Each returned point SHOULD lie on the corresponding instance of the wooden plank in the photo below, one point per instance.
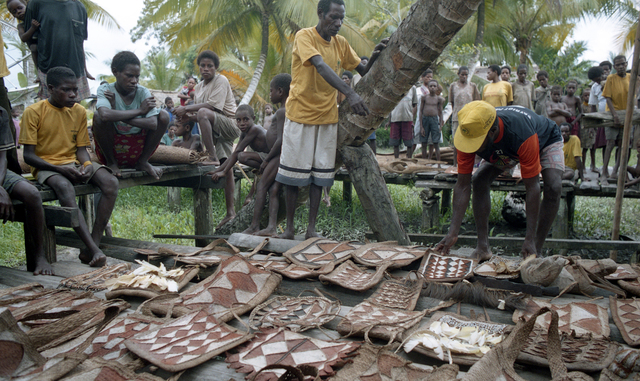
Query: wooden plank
(54, 216)
(203, 214)
(516, 242)
(276, 245)
(605, 119)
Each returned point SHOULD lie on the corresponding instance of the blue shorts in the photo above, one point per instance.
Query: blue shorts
(431, 125)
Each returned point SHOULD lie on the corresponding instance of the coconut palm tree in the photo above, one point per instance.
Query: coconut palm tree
(161, 71)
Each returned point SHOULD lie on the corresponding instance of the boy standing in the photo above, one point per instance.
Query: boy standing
(168, 104)
(572, 154)
(461, 93)
(55, 139)
(588, 135)
(615, 91)
(574, 104)
(543, 93)
(523, 89)
(432, 121)
(423, 91)
(127, 126)
(278, 92)
(268, 116)
(556, 109)
(497, 93)
(401, 120)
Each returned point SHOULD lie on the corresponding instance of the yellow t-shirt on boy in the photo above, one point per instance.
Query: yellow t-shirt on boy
(617, 88)
(312, 100)
(571, 149)
(56, 132)
(498, 94)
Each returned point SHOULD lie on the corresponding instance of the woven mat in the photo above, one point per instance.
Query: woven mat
(315, 253)
(623, 272)
(154, 291)
(294, 271)
(97, 369)
(297, 314)
(626, 315)
(584, 318)
(18, 354)
(94, 280)
(370, 320)
(280, 346)
(352, 277)
(236, 284)
(398, 293)
(186, 342)
(438, 268)
(631, 286)
(499, 267)
(387, 253)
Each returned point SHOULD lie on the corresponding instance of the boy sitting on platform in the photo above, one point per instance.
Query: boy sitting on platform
(253, 136)
(127, 126)
(55, 139)
(279, 92)
(189, 141)
(572, 154)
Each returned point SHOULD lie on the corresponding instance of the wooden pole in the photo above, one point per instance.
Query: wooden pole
(624, 155)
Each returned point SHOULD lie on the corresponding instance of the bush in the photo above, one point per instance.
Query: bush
(382, 137)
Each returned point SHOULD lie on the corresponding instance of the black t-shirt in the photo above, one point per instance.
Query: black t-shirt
(61, 35)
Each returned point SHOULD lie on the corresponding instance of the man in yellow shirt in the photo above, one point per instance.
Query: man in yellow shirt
(55, 139)
(572, 154)
(615, 91)
(310, 133)
(498, 93)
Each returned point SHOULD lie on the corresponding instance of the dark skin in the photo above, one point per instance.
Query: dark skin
(543, 81)
(62, 96)
(269, 169)
(188, 141)
(557, 110)
(540, 216)
(329, 24)
(592, 152)
(18, 9)
(621, 70)
(634, 171)
(568, 172)
(104, 129)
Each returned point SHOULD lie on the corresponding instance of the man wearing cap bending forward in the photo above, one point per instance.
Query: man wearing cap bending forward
(502, 137)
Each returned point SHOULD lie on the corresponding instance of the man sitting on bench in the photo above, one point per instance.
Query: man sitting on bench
(14, 186)
(55, 138)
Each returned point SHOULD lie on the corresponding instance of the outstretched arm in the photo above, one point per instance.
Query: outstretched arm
(231, 160)
(461, 197)
(357, 104)
(361, 69)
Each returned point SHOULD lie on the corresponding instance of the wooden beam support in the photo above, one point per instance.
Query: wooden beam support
(202, 214)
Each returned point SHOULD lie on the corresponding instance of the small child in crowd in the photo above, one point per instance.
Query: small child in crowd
(251, 135)
(505, 73)
(572, 154)
(278, 92)
(556, 109)
(18, 8)
(169, 106)
(55, 139)
(170, 136)
(574, 104)
(187, 139)
(543, 93)
(523, 89)
(588, 135)
(347, 76)
(187, 92)
(431, 109)
(268, 116)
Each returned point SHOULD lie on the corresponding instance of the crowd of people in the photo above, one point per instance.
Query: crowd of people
(506, 124)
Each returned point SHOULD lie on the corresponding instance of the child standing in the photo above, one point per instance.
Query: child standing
(168, 105)
(188, 140)
(55, 139)
(497, 93)
(574, 104)
(505, 73)
(556, 109)
(543, 93)
(401, 123)
(18, 8)
(523, 89)
(461, 93)
(268, 116)
(279, 92)
(431, 110)
(588, 135)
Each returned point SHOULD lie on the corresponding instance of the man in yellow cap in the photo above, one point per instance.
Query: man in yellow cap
(503, 137)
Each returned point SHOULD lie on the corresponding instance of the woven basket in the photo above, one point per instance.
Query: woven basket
(18, 353)
(626, 315)
(499, 268)
(316, 253)
(175, 155)
(398, 293)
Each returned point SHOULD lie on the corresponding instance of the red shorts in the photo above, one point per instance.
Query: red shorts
(128, 149)
(400, 131)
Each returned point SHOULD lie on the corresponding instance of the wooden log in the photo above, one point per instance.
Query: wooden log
(373, 193)
(605, 119)
(202, 214)
(87, 208)
(54, 216)
(276, 245)
(430, 212)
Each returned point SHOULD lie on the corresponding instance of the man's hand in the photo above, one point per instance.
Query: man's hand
(444, 246)
(422, 133)
(616, 119)
(263, 166)
(382, 45)
(111, 97)
(180, 111)
(147, 104)
(6, 208)
(216, 174)
(357, 104)
(71, 173)
(35, 23)
(528, 248)
(86, 173)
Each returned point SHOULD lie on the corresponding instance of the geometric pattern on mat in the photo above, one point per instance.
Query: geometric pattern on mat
(109, 344)
(378, 254)
(235, 284)
(379, 322)
(624, 271)
(586, 353)
(280, 346)
(626, 315)
(94, 280)
(351, 276)
(582, 317)
(438, 268)
(297, 314)
(401, 294)
(318, 252)
(186, 342)
(270, 264)
(294, 271)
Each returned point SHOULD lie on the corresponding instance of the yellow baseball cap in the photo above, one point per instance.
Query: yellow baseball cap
(474, 121)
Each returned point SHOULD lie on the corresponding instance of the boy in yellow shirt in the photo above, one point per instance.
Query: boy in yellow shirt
(498, 93)
(55, 139)
(572, 154)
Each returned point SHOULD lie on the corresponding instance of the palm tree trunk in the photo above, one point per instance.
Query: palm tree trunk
(423, 34)
(257, 73)
(479, 39)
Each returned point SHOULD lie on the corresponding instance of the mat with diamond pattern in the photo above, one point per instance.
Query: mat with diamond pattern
(297, 314)
(438, 268)
(351, 276)
(318, 252)
(626, 315)
(387, 253)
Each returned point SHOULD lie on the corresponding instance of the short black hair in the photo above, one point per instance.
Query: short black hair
(522, 66)
(428, 71)
(606, 63)
(190, 124)
(555, 88)
(461, 68)
(246, 108)
(347, 73)
(58, 74)
(168, 99)
(282, 81)
(495, 68)
(620, 57)
(506, 67)
(565, 124)
(364, 58)
(210, 55)
(122, 59)
(572, 81)
(325, 5)
(595, 72)
(542, 73)
(433, 80)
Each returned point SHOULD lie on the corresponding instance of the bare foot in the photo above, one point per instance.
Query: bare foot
(247, 201)
(115, 170)
(98, 259)
(228, 218)
(481, 255)
(154, 172)
(287, 235)
(312, 234)
(604, 181)
(327, 201)
(42, 267)
(250, 230)
(267, 232)
(595, 170)
(209, 160)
